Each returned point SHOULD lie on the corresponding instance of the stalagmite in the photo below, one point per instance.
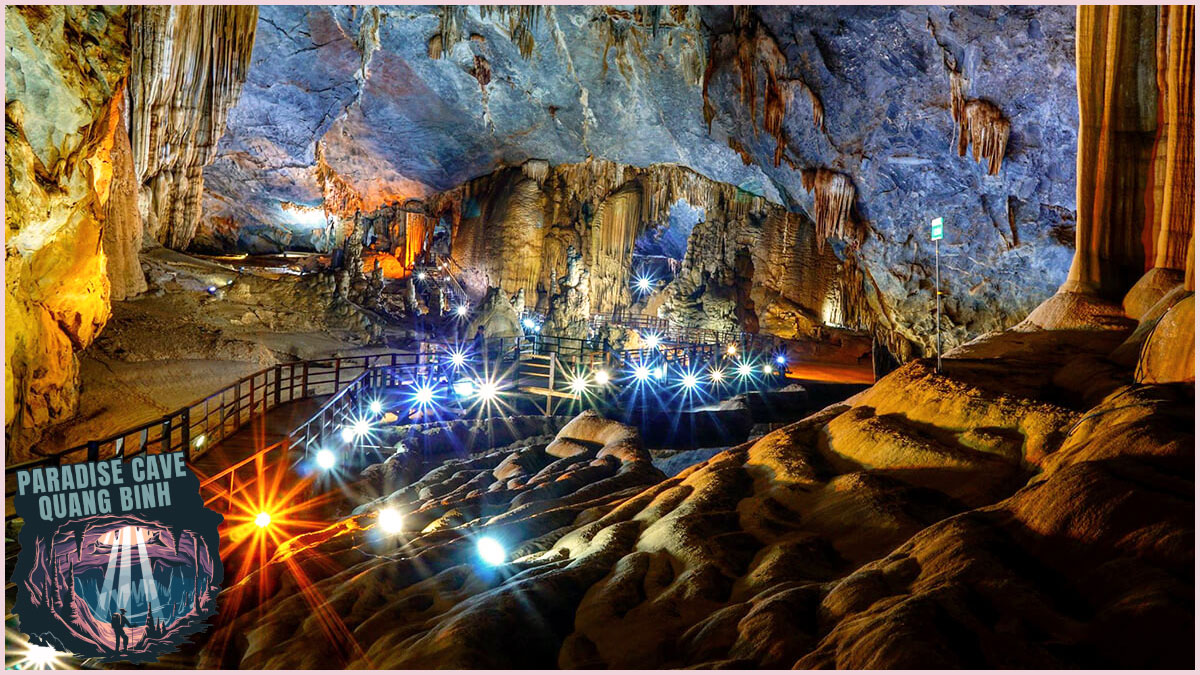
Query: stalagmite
(122, 228)
(833, 202)
(189, 63)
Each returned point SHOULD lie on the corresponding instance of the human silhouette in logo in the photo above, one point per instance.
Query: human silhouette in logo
(119, 622)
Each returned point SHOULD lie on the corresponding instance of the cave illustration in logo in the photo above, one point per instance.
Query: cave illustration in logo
(159, 571)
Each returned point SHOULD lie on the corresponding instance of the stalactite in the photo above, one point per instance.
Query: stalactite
(958, 98)
(341, 199)
(985, 128)
(450, 21)
(978, 123)
(522, 21)
(189, 63)
(755, 53)
(536, 169)
(833, 203)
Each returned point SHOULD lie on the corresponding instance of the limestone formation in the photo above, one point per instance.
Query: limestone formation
(61, 124)
(122, 229)
(1116, 135)
(569, 315)
(833, 204)
(375, 109)
(497, 315)
(187, 72)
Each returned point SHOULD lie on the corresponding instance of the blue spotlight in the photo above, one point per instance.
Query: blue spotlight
(641, 373)
(458, 358)
(652, 340)
(491, 551)
(781, 359)
(689, 381)
(464, 388)
(745, 370)
(529, 324)
(376, 407)
(644, 284)
(423, 395)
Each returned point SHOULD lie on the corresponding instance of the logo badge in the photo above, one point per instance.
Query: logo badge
(119, 559)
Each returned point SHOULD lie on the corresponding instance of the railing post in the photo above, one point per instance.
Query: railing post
(93, 451)
(278, 384)
(304, 381)
(185, 433)
(166, 434)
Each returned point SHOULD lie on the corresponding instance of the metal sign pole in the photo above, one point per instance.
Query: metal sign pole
(937, 266)
(935, 233)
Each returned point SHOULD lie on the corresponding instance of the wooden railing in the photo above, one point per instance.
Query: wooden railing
(198, 426)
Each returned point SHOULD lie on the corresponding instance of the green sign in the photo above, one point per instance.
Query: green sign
(935, 229)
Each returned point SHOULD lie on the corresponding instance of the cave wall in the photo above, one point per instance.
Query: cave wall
(894, 113)
(111, 113)
(64, 77)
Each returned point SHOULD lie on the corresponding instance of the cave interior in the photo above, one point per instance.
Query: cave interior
(626, 330)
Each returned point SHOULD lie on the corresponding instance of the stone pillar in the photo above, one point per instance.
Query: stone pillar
(1175, 215)
(1171, 193)
(1115, 60)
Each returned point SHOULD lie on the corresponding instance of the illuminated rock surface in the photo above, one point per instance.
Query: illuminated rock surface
(952, 520)
(348, 108)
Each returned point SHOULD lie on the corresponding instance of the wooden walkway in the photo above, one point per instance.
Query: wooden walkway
(260, 432)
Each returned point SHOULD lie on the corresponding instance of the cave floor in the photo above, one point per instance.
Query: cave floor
(159, 353)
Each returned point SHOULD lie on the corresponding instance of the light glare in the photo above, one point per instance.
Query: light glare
(579, 384)
(464, 388)
(390, 520)
(488, 390)
(424, 395)
(361, 428)
(263, 519)
(326, 459)
(491, 551)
